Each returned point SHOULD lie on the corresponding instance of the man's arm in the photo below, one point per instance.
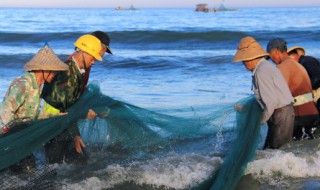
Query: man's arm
(13, 100)
(267, 93)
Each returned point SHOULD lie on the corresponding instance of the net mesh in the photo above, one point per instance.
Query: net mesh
(123, 125)
(243, 150)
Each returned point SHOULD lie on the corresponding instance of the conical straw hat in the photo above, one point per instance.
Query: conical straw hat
(300, 50)
(249, 49)
(45, 60)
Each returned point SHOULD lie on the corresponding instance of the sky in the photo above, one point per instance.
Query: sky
(156, 3)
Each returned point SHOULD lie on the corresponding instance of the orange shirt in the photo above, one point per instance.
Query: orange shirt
(299, 83)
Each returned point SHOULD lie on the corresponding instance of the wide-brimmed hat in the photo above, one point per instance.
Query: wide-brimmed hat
(300, 50)
(45, 60)
(249, 49)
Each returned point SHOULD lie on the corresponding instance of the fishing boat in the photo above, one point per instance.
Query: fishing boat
(202, 7)
(223, 8)
(118, 8)
(131, 8)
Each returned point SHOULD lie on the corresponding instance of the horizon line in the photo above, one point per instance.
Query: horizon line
(108, 7)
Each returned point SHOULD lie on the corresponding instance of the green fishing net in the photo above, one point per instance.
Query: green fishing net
(126, 126)
(243, 149)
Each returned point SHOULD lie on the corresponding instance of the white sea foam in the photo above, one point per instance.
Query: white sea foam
(276, 166)
(92, 183)
(178, 172)
(173, 171)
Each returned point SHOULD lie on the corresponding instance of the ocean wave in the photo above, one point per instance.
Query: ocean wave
(204, 39)
(285, 164)
(154, 60)
(172, 171)
(16, 61)
(278, 167)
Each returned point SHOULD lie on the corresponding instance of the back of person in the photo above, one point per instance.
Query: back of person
(306, 113)
(23, 106)
(312, 65)
(271, 92)
(299, 84)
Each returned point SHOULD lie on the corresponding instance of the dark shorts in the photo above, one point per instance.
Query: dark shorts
(280, 129)
(305, 123)
(61, 149)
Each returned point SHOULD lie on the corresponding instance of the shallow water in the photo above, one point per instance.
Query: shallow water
(176, 62)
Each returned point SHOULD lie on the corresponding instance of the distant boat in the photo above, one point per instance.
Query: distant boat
(202, 7)
(118, 8)
(131, 8)
(223, 8)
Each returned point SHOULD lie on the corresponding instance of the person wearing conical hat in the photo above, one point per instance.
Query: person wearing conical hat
(312, 66)
(271, 92)
(22, 99)
(63, 92)
(296, 76)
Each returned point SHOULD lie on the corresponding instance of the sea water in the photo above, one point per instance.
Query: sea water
(173, 61)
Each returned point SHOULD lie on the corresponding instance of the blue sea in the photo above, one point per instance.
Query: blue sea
(176, 62)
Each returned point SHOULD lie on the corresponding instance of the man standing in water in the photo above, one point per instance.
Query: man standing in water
(312, 66)
(270, 90)
(306, 113)
(22, 100)
(64, 91)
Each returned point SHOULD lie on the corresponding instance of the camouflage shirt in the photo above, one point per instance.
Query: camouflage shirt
(65, 89)
(21, 101)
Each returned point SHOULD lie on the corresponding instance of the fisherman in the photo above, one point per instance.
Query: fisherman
(22, 100)
(306, 113)
(312, 66)
(105, 41)
(63, 92)
(270, 90)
